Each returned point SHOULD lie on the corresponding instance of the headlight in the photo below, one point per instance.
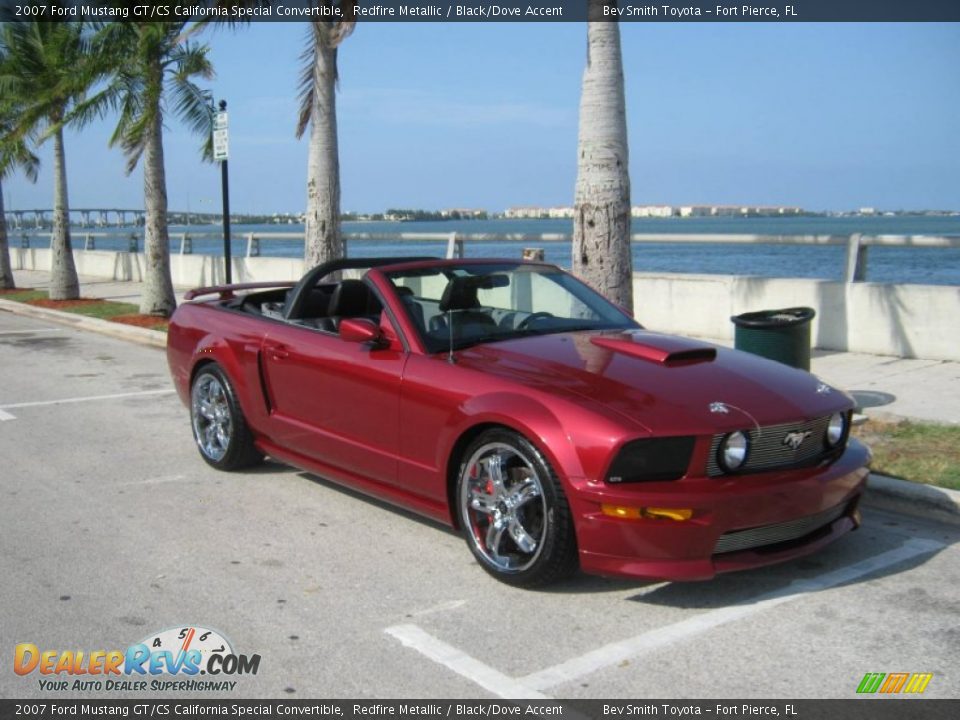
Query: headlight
(836, 429)
(732, 453)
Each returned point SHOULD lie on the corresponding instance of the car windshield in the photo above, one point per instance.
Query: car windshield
(481, 303)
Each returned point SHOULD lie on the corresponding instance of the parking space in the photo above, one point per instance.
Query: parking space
(112, 529)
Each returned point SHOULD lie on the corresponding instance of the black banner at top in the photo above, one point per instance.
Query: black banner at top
(488, 10)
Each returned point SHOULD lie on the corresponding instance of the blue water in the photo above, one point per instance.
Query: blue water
(931, 266)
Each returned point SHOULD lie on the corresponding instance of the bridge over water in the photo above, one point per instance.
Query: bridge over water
(92, 217)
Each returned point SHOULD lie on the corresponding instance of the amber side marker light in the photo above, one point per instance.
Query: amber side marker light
(648, 513)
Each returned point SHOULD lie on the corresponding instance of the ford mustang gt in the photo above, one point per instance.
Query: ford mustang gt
(511, 401)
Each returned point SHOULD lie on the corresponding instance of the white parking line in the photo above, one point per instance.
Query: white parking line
(89, 398)
(614, 653)
(462, 664)
(158, 480)
(4, 416)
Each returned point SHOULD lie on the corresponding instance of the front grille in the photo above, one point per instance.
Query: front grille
(781, 532)
(768, 450)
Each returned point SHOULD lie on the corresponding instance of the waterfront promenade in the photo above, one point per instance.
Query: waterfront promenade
(884, 386)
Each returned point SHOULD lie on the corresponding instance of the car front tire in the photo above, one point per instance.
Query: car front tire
(219, 427)
(513, 511)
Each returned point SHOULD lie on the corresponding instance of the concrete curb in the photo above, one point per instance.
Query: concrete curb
(131, 333)
(887, 416)
(913, 498)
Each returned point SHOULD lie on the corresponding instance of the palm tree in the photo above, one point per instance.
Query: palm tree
(15, 154)
(152, 66)
(46, 72)
(318, 109)
(601, 218)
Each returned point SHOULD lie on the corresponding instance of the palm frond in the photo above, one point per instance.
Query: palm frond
(194, 106)
(321, 35)
(15, 152)
(217, 22)
(48, 68)
(190, 60)
(307, 83)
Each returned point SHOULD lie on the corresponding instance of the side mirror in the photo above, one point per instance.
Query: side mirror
(360, 330)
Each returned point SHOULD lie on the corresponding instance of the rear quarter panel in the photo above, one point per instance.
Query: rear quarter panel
(203, 332)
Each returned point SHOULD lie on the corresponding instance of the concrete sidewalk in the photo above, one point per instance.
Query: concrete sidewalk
(883, 386)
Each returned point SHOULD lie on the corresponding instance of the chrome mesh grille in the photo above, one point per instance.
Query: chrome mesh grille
(781, 532)
(768, 450)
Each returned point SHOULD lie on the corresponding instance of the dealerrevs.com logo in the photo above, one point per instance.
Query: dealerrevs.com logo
(170, 660)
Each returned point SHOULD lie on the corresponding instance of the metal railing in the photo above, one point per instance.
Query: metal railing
(855, 265)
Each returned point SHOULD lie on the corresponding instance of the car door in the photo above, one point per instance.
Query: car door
(334, 400)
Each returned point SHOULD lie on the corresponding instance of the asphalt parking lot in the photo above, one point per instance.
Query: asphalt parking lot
(112, 529)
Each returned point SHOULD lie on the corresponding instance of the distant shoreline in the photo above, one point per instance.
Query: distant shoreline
(924, 266)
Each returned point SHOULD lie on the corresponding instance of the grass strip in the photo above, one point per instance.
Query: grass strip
(926, 453)
(127, 313)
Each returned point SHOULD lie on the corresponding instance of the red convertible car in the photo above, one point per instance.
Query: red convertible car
(510, 400)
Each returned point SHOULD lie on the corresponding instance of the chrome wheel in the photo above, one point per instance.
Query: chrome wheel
(212, 417)
(503, 508)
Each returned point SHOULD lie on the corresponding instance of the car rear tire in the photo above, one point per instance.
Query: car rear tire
(513, 511)
(219, 427)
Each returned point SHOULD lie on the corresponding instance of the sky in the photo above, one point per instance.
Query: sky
(484, 115)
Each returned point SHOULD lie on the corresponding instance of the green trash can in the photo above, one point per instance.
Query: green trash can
(781, 335)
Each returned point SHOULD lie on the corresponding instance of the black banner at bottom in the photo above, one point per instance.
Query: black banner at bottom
(854, 709)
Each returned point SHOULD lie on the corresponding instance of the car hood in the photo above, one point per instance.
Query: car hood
(668, 384)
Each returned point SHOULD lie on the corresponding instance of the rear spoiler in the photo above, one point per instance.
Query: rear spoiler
(227, 292)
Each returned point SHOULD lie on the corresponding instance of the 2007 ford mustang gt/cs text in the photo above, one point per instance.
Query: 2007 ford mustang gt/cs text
(510, 400)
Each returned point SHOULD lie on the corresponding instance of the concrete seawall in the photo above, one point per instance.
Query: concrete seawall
(911, 321)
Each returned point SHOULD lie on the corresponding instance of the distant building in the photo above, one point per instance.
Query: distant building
(560, 212)
(736, 210)
(695, 211)
(767, 211)
(646, 211)
(463, 213)
(526, 212)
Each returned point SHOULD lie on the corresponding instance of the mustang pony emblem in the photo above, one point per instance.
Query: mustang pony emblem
(795, 439)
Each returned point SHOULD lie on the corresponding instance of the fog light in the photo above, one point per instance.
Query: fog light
(619, 511)
(836, 429)
(669, 513)
(732, 453)
(650, 513)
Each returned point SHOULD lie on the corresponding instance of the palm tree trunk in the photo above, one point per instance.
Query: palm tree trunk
(64, 284)
(158, 297)
(6, 271)
(601, 220)
(323, 239)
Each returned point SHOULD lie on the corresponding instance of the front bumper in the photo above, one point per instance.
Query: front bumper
(765, 518)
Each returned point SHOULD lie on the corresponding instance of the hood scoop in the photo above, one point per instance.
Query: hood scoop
(667, 350)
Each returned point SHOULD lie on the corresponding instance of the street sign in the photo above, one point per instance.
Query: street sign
(220, 144)
(220, 121)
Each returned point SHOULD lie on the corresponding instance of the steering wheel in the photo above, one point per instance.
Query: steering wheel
(526, 322)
